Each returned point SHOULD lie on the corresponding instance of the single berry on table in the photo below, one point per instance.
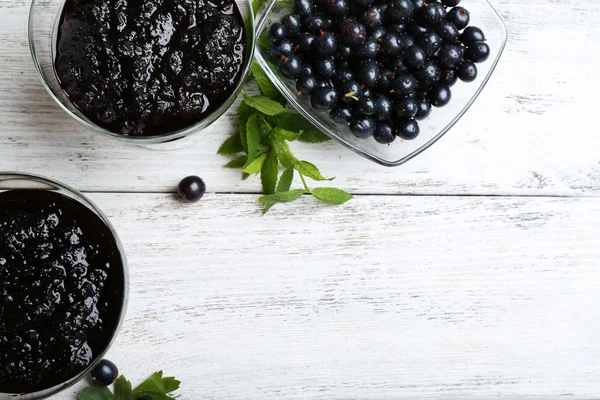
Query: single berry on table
(430, 42)
(325, 44)
(399, 11)
(470, 35)
(290, 66)
(414, 57)
(467, 72)
(191, 189)
(367, 50)
(323, 99)
(384, 133)
(407, 129)
(439, 96)
(292, 23)
(362, 127)
(383, 108)
(448, 77)
(429, 74)
(403, 85)
(303, 7)
(450, 56)
(405, 108)
(285, 47)
(450, 3)
(314, 23)
(459, 17)
(447, 32)
(353, 33)
(104, 373)
(369, 74)
(423, 109)
(478, 52)
(324, 68)
(306, 84)
(341, 114)
(365, 106)
(277, 32)
(337, 9)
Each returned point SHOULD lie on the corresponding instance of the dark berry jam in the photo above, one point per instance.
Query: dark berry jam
(61, 289)
(149, 67)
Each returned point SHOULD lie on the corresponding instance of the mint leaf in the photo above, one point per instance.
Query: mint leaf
(96, 393)
(243, 114)
(232, 145)
(123, 389)
(331, 195)
(269, 172)
(283, 197)
(285, 134)
(157, 387)
(255, 165)
(286, 158)
(256, 6)
(297, 123)
(263, 41)
(253, 135)
(285, 182)
(264, 105)
(237, 162)
(264, 83)
(310, 170)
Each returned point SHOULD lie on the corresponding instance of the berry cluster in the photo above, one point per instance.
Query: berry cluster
(377, 65)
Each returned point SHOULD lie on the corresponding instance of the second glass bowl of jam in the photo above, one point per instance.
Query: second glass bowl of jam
(143, 72)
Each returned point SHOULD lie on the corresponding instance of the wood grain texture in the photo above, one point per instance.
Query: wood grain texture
(387, 297)
(532, 130)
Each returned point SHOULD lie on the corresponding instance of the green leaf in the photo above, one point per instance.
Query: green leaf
(264, 41)
(236, 162)
(266, 86)
(269, 172)
(285, 134)
(297, 123)
(96, 393)
(255, 165)
(286, 158)
(253, 135)
(264, 105)
(256, 6)
(232, 145)
(285, 182)
(157, 387)
(123, 389)
(310, 170)
(331, 195)
(282, 197)
(244, 113)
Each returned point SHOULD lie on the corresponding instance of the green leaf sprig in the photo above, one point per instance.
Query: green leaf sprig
(156, 386)
(265, 129)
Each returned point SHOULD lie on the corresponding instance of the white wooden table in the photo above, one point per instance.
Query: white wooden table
(470, 272)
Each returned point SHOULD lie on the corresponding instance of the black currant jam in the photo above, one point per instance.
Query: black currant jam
(149, 67)
(61, 289)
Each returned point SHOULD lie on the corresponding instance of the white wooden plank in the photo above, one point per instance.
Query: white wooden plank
(384, 298)
(531, 132)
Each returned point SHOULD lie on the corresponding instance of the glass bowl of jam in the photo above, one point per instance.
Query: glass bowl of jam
(63, 286)
(147, 72)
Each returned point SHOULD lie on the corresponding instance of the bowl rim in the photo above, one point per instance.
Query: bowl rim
(78, 197)
(250, 29)
(304, 112)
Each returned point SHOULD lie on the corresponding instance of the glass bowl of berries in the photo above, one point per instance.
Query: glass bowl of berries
(385, 78)
(63, 286)
(147, 73)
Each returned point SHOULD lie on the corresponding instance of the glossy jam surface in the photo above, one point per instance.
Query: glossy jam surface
(61, 289)
(149, 67)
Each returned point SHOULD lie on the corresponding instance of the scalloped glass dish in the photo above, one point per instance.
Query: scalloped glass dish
(434, 127)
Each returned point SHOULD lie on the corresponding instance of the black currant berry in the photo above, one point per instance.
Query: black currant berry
(303, 7)
(414, 57)
(478, 52)
(447, 32)
(353, 33)
(106, 372)
(407, 129)
(459, 17)
(448, 77)
(341, 114)
(292, 23)
(467, 72)
(324, 68)
(191, 189)
(290, 66)
(450, 56)
(470, 35)
(384, 133)
(423, 109)
(362, 127)
(405, 108)
(383, 108)
(277, 32)
(325, 44)
(440, 95)
(323, 99)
